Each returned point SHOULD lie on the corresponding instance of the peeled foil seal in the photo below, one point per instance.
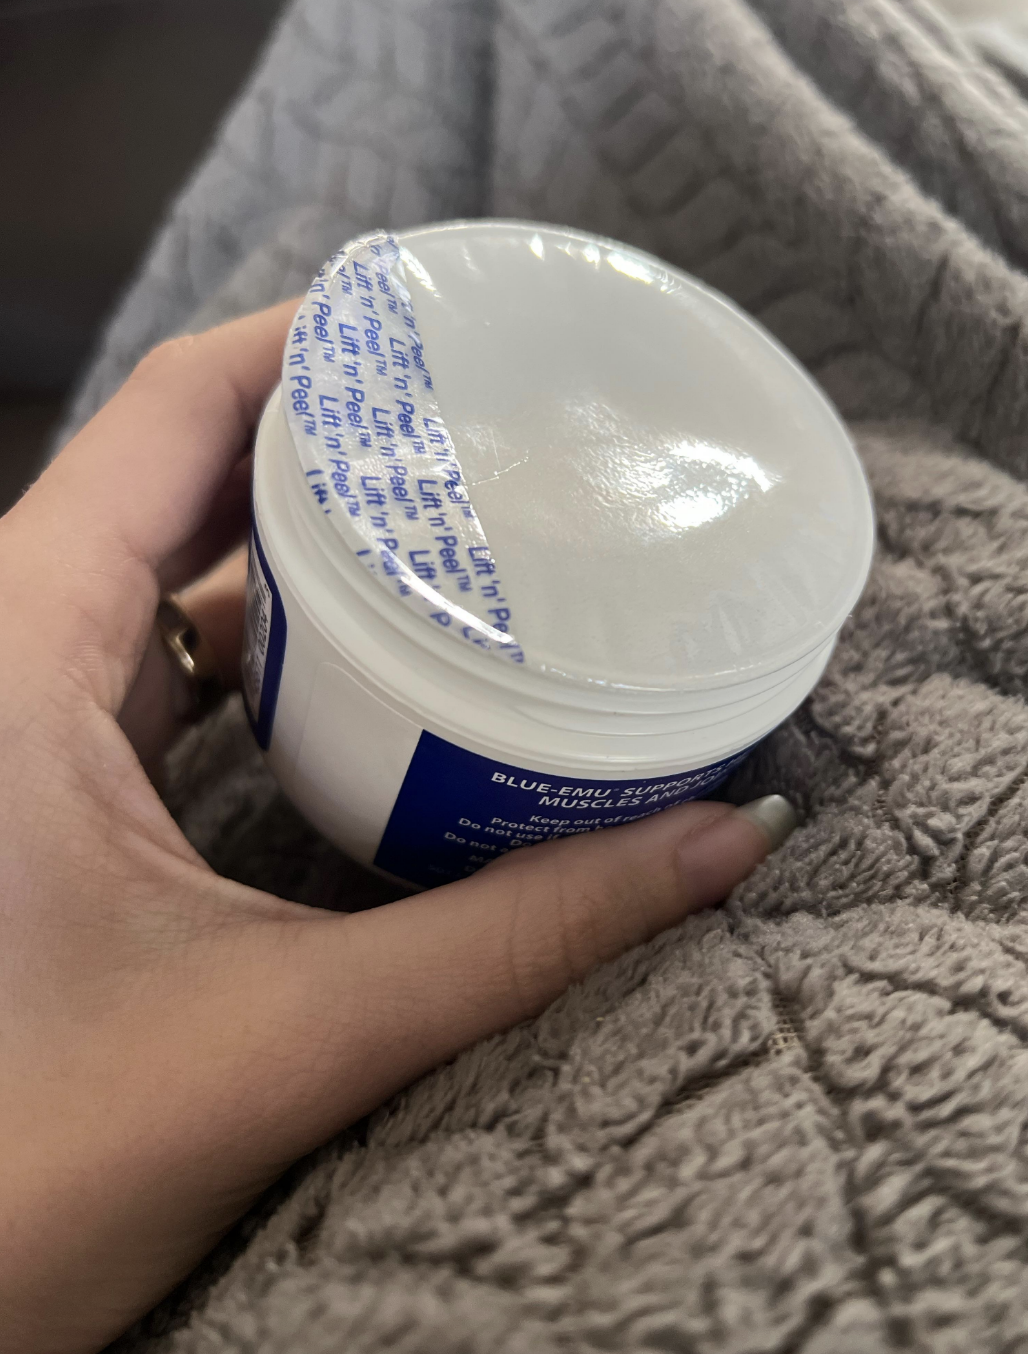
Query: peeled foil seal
(379, 460)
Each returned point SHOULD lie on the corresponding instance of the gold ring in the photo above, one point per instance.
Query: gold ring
(193, 657)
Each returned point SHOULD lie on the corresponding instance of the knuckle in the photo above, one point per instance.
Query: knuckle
(533, 969)
(576, 903)
(610, 899)
(588, 909)
(167, 357)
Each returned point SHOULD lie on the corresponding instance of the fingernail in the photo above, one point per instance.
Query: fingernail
(774, 815)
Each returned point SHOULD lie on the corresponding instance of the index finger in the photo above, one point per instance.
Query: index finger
(137, 483)
(147, 465)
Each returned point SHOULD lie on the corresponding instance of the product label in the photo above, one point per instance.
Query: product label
(264, 643)
(361, 405)
(456, 810)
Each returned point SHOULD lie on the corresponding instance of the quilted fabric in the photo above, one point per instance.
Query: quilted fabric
(796, 1125)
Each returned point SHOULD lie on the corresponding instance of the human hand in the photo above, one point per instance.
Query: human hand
(169, 1040)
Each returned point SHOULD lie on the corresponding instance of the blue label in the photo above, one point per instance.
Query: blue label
(264, 643)
(456, 811)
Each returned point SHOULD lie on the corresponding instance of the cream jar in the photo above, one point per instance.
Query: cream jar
(546, 536)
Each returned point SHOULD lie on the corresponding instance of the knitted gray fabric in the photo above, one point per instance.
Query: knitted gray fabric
(796, 1125)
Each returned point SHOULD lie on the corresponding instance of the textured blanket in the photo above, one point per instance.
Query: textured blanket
(796, 1125)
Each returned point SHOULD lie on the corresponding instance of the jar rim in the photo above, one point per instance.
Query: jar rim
(511, 682)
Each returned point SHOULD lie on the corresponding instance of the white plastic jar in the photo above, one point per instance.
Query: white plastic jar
(546, 536)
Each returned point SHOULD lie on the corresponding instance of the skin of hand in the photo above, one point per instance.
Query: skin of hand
(170, 1041)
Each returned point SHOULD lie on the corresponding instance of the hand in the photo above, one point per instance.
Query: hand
(169, 1040)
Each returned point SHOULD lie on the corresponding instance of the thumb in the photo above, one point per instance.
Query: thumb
(416, 981)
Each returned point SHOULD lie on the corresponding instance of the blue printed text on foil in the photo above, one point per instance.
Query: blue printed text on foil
(378, 457)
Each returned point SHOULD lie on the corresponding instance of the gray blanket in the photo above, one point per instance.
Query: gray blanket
(796, 1125)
